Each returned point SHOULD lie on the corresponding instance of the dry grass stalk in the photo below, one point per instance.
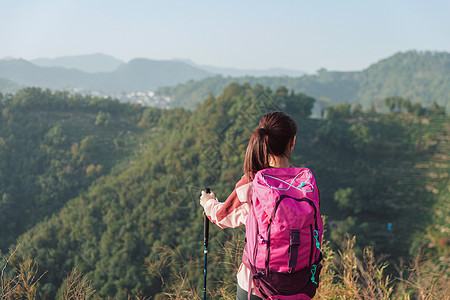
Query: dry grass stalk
(327, 288)
(8, 285)
(228, 260)
(376, 284)
(349, 274)
(426, 280)
(22, 283)
(181, 284)
(183, 289)
(27, 279)
(346, 277)
(172, 259)
(139, 296)
(163, 261)
(77, 286)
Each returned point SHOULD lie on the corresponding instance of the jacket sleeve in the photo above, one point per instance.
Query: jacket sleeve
(233, 212)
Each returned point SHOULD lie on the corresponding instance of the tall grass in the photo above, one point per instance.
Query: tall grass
(344, 276)
(77, 286)
(424, 280)
(22, 281)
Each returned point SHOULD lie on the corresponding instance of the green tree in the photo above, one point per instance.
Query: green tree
(340, 111)
(394, 104)
(324, 102)
(417, 110)
(103, 118)
(436, 110)
(361, 137)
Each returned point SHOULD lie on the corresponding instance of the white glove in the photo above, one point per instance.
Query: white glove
(205, 197)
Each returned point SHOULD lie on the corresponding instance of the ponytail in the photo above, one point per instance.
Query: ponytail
(272, 137)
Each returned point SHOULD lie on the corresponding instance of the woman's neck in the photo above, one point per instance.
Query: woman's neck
(279, 161)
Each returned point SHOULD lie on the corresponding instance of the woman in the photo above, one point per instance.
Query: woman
(269, 147)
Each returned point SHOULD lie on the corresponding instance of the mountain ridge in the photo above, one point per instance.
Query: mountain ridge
(126, 78)
(237, 72)
(100, 62)
(420, 76)
(90, 63)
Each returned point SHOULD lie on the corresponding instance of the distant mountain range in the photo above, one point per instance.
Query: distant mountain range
(420, 76)
(136, 75)
(108, 74)
(98, 63)
(90, 63)
(233, 72)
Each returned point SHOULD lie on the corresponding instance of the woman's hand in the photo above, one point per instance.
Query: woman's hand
(205, 197)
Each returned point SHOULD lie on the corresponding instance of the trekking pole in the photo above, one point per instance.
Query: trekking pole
(205, 244)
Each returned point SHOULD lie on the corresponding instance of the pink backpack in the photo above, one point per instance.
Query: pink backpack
(284, 234)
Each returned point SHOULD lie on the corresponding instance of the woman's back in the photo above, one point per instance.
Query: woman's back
(280, 207)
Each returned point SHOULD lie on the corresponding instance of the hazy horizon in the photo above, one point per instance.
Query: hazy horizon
(199, 65)
(244, 35)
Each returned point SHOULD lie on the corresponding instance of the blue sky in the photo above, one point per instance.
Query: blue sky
(303, 35)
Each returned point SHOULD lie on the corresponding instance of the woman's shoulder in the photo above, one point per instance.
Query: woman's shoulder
(243, 181)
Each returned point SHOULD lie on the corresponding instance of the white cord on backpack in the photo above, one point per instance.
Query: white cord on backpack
(291, 184)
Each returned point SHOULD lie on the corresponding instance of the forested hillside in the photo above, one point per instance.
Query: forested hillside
(383, 178)
(52, 147)
(422, 77)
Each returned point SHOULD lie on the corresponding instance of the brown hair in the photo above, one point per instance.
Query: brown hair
(272, 137)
